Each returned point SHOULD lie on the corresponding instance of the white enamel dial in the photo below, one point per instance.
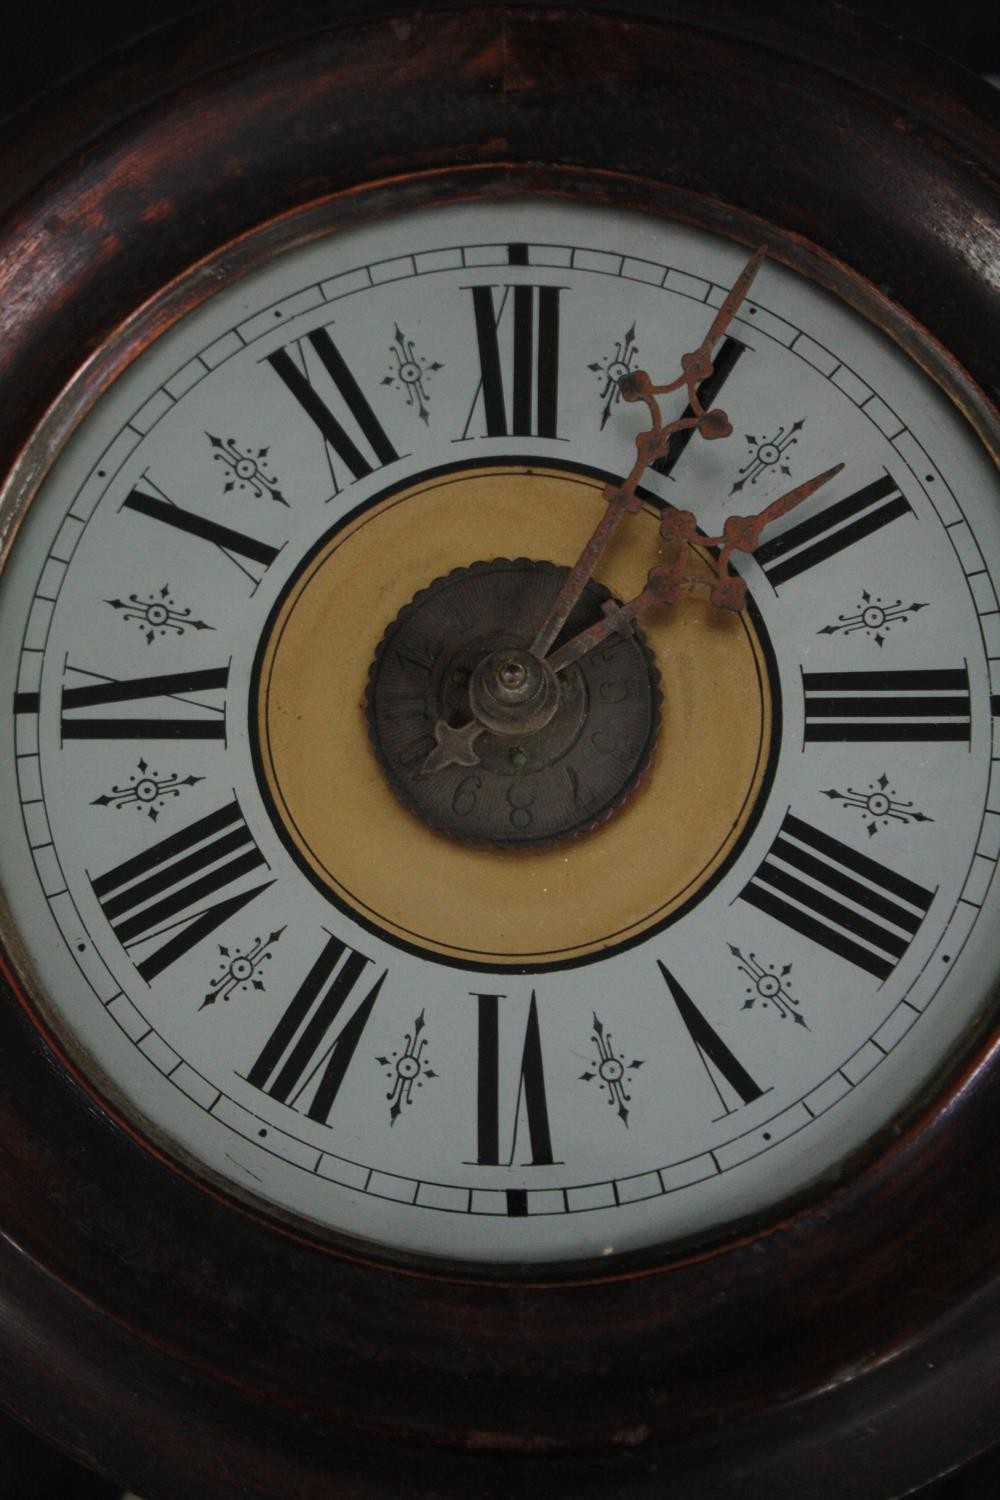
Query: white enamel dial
(302, 991)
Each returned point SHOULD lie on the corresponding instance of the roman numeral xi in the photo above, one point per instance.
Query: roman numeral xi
(321, 381)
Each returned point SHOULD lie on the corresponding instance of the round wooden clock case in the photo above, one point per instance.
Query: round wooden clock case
(188, 1343)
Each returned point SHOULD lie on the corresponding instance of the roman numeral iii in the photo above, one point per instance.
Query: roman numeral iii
(923, 705)
(169, 887)
(309, 1051)
(848, 903)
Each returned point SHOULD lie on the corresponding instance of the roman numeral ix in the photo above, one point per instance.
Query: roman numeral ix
(311, 1048)
(850, 904)
(166, 888)
(208, 722)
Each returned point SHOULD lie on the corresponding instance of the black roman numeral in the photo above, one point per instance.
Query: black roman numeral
(164, 888)
(725, 363)
(716, 1057)
(921, 705)
(523, 400)
(850, 904)
(245, 551)
(530, 1098)
(307, 1052)
(209, 724)
(835, 527)
(323, 372)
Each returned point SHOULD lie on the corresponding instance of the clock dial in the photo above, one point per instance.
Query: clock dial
(354, 913)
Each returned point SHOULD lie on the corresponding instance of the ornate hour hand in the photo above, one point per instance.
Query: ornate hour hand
(651, 445)
(667, 585)
(739, 534)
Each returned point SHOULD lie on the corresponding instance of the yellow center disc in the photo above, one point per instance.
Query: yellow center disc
(483, 906)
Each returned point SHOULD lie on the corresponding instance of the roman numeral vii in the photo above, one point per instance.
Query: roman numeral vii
(307, 1055)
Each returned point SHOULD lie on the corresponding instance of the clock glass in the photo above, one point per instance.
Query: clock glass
(435, 816)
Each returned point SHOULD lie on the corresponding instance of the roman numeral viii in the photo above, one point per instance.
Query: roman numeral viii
(322, 383)
(204, 720)
(833, 529)
(169, 887)
(848, 903)
(309, 1051)
(517, 337)
(921, 705)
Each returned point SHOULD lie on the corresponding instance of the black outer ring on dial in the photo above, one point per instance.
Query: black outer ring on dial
(189, 1347)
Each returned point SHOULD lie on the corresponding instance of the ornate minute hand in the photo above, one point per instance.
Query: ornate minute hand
(666, 585)
(651, 445)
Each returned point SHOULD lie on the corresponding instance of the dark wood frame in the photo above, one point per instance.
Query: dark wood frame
(190, 1347)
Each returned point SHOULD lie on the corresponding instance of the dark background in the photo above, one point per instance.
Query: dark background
(43, 42)
(46, 42)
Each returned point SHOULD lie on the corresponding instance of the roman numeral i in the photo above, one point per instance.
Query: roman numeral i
(832, 530)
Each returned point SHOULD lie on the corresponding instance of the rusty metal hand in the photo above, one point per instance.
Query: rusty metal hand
(651, 445)
(454, 745)
(667, 585)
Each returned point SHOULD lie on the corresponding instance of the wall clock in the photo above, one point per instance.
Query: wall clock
(499, 698)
